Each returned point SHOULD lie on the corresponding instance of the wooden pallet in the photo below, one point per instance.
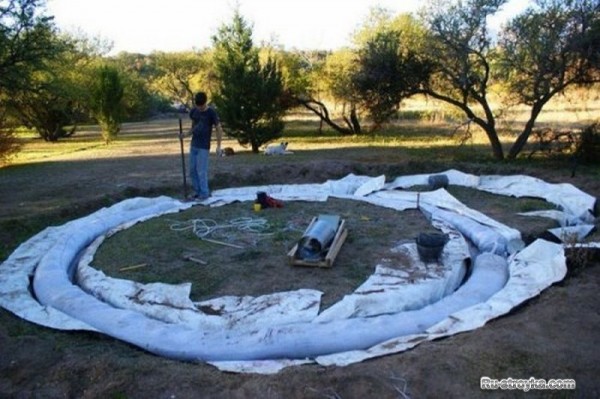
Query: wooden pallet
(334, 249)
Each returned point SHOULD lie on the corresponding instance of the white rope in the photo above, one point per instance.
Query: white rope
(230, 230)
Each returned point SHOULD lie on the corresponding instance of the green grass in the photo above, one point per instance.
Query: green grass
(261, 266)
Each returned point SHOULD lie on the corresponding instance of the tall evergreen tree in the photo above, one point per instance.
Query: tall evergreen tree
(106, 101)
(249, 95)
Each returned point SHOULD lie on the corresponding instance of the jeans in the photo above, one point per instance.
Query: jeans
(199, 171)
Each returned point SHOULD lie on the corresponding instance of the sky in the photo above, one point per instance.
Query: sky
(144, 26)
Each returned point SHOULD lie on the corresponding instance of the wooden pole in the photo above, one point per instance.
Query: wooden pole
(182, 159)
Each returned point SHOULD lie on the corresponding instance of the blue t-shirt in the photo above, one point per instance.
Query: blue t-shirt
(202, 124)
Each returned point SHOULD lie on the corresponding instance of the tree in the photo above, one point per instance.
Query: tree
(53, 102)
(459, 50)
(105, 101)
(550, 47)
(180, 75)
(339, 68)
(141, 98)
(41, 79)
(250, 94)
(378, 79)
(27, 42)
(9, 145)
(386, 74)
(379, 20)
(50, 109)
(375, 77)
(305, 85)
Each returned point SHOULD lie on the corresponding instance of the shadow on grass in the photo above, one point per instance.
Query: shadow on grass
(149, 164)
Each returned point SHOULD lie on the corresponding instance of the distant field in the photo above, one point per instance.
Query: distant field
(421, 124)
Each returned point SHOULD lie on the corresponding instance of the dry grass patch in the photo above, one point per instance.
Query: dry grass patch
(255, 262)
(260, 266)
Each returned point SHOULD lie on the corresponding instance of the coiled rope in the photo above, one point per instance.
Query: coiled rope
(229, 232)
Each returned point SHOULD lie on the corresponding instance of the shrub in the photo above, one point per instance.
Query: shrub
(588, 147)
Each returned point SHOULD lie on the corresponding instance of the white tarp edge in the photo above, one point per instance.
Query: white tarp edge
(21, 265)
(577, 204)
(568, 197)
(455, 177)
(562, 218)
(408, 286)
(531, 271)
(570, 234)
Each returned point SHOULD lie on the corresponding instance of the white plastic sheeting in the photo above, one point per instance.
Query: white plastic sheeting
(530, 271)
(349, 186)
(267, 333)
(15, 288)
(487, 234)
(172, 304)
(300, 340)
(576, 204)
(455, 178)
(567, 197)
(575, 207)
(16, 272)
(413, 286)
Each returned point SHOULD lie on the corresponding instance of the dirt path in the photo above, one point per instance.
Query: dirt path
(551, 336)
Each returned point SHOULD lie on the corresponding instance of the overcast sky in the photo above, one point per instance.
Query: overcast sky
(143, 26)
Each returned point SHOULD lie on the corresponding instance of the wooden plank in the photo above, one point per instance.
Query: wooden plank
(195, 259)
(139, 266)
(336, 246)
(221, 243)
(292, 255)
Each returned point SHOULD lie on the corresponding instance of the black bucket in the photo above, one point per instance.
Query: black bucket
(430, 246)
(437, 181)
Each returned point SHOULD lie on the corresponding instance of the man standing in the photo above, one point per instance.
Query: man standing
(203, 119)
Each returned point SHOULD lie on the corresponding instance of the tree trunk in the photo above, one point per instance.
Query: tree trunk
(488, 124)
(354, 120)
(255, 147)
(519, 144)
(492, 135)
(321, 111)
